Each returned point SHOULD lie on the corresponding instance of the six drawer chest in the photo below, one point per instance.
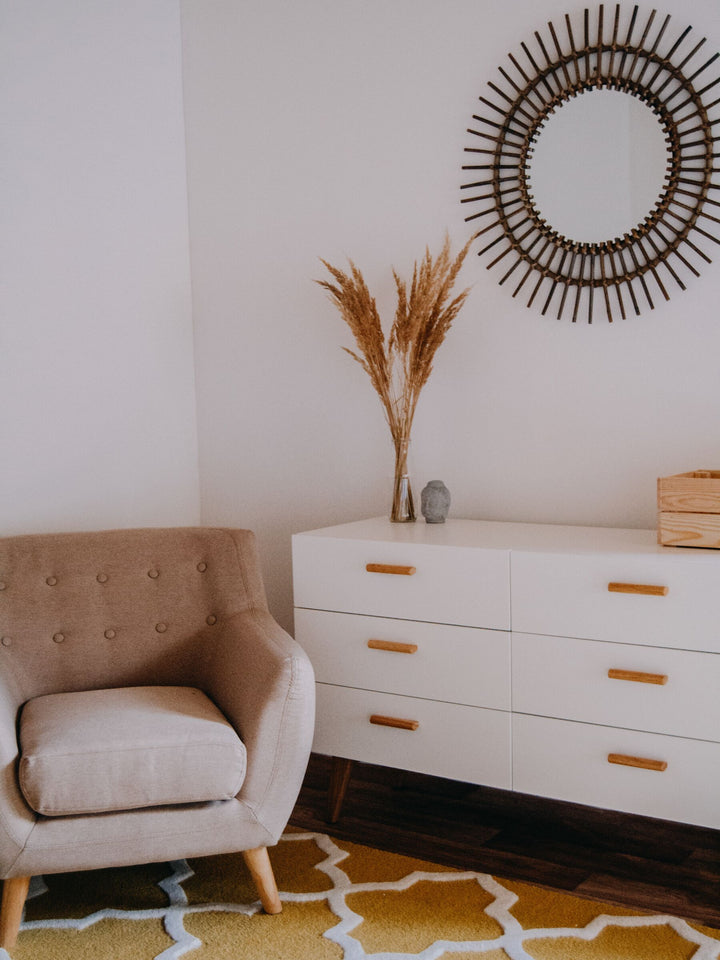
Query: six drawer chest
(578, 663)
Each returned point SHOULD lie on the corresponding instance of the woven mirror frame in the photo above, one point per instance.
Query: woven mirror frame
(559, 274)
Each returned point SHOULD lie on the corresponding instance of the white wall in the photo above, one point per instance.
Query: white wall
(335, 128)
(97, 418)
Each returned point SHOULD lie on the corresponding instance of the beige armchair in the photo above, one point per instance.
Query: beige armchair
(150, 707)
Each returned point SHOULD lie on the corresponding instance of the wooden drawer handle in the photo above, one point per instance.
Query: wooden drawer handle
(641, 762)
(648, 589)
(395, 568)
(398, 722)
(393, 646)
(637, 676)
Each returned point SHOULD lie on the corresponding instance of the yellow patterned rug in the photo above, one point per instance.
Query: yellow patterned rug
(341, 901)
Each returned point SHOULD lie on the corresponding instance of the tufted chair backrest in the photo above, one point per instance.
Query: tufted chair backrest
(81, 611)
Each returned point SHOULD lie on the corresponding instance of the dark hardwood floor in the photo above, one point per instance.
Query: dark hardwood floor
(654, 865)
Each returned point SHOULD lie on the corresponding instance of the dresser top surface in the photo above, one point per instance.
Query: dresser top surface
(521, 537)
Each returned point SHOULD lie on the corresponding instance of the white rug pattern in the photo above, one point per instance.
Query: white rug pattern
(512, 939)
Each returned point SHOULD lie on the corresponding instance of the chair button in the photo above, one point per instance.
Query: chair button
(161, 627)
(211, 620)
(202, 567)
(3, 585)
(110, 634)
(59, 637)
(153, 574)
(51, 581)
(6, 641)
(102, 578)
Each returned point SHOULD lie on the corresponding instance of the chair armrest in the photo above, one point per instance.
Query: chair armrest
(263, 682)
(16, 818)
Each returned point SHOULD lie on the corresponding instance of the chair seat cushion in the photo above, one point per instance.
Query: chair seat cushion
(126, 748)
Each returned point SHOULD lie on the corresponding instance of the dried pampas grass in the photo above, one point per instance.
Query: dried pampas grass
(399, 365)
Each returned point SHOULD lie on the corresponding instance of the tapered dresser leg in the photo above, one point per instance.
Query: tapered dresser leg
(258, 861)
(339, 780)
(15, 891)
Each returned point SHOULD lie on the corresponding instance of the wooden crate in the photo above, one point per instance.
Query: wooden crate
(689, 509)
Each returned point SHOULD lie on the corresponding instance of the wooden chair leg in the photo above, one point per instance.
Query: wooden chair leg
(15, 891)
(261, 870)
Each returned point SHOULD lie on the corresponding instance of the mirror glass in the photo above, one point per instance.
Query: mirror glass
(598, 166)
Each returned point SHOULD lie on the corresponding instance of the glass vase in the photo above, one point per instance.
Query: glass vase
(403, 508)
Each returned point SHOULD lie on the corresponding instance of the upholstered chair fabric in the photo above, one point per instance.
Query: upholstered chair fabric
(122, 749)
(182, 613)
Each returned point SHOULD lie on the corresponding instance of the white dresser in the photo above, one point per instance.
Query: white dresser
(580, 663)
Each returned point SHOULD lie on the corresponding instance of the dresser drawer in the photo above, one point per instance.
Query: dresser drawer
(444, 584)
(458, 742)
(435, 661)
(569, 761)
(567, 595)
(568, 679)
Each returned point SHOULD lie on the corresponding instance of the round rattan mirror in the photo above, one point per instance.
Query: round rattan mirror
(566, 275)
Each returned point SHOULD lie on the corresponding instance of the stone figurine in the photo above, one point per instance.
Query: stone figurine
(435, 502)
